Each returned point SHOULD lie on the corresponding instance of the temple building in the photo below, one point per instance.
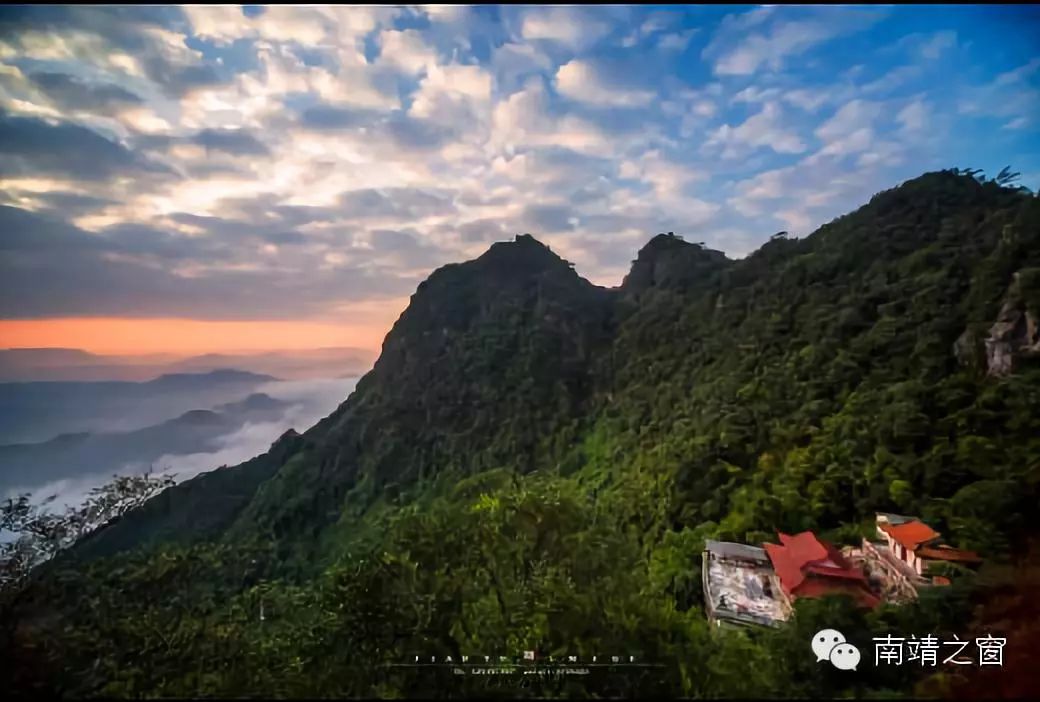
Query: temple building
(746, 586)
(905, 551)
(740, 586)
(808, 567)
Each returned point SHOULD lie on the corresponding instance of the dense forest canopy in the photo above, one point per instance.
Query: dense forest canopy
(535, 462)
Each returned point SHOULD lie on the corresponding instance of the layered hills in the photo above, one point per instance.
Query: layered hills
(85, 454)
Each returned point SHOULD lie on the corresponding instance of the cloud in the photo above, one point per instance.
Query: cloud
(805, 99)
(754, 94)
(455, 97)
(300, 161)
(305, 25)
(851, 128)
(405, 204)
(164, 273)
(525, 120)
(514, 62)
(667, 178)
(914, 117)
(762, 130)
(70, 204)
(70, 93)
(238, 142)
(131, 42)
(1012, 96)
(584, 82)
(937, 44)
(483, 230)
(1017, 123)
(916, 59)
(34, 147)
(25, 231)
(548, 218)
(856, 155)
(736, 51)
(332, 117)
(677, 41)
(406, 50)
(1019, 75)
(574, 27)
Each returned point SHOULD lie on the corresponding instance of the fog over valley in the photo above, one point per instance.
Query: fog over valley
(65, 438)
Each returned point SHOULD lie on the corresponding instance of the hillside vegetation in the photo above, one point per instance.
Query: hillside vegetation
(534, 463)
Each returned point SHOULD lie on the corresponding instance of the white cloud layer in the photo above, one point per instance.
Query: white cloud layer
(304, 161)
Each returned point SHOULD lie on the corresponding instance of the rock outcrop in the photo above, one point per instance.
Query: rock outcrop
(1013, 336)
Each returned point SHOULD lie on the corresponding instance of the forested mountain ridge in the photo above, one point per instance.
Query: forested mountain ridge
(518, 317)
(534, 462)
(489, 357)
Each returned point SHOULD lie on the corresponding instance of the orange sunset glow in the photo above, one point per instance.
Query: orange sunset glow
(190, 336)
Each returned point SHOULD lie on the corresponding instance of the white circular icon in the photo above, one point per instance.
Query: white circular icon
(845, 656)
(824, 640)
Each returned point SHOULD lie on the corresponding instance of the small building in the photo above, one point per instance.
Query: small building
(917, 545)
(898, 562)
(740, 586)
(808, 567)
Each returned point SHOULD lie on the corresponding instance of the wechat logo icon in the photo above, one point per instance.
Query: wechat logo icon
(830, 645)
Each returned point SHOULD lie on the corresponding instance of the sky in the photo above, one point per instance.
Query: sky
(220, 178)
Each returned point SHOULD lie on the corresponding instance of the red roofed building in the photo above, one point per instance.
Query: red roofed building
(917, 545)
(808, 567)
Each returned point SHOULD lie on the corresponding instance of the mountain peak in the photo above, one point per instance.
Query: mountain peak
(286, 441)
(522, 256)
(523, 273)
(219, 375)
(528, 240)
(664, 242)
(669, 261)
(198, 417)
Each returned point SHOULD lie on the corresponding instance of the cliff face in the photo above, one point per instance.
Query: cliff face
(1014, 336)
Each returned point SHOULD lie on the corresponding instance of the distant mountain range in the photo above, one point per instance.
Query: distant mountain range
(84, 454)
(37, 411)
(58, 364)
